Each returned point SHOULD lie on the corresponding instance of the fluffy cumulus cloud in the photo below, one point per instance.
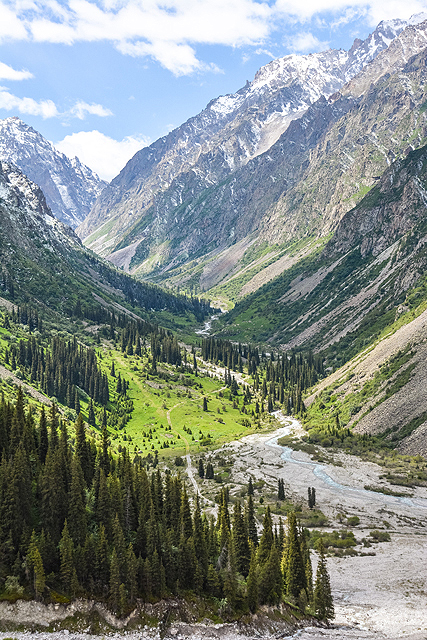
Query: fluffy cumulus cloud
(27, 106)
(169, 31)
(101, 153)
(8, 73)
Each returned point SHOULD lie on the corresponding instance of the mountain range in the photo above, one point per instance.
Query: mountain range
(44, 264)
(69, 186)
(187, 209)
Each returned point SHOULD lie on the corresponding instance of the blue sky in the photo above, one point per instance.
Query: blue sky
(101, 79)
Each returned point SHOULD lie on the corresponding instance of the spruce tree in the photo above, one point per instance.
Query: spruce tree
(66, 550)
(323, 603)
(241, 542)
(271, 579)
(201, 469)
(266, 540)
(35, 565)
(293, 563)
(43, 437)
(114, 594)
(252, 582)
(77, 504)
(251, 521)
(250, 487)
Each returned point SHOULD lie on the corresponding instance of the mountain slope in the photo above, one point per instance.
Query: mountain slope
(225, 136)
(69, 186)
(43, 263)
(317, 170)
(361, 303)
(350, 291)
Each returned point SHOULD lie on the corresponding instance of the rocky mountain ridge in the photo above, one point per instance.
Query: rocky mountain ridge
(69, 186)
(44, 264)
(230, 132)
(24, 207)
(333, 301)
(318, 170)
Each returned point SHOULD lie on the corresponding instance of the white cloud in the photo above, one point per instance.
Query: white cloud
(375, 10)
(306, 42)
(8, 73)
(43, 108)
(101, 153)
(81, 108)
(169, 31)
(11, 25)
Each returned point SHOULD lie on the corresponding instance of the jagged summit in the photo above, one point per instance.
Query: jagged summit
(70, 186)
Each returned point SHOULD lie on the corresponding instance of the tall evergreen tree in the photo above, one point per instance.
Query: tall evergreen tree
(323, 602)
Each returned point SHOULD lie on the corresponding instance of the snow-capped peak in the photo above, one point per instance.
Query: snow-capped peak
(70, 187)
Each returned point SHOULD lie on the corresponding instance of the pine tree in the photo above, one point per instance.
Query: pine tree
(252, 582)
(271, 579)
(250, 487)
(115, 582)
(251, 522)
(82, 451)
(323, 603)
(35, 564)
(77, 504)
(241, 542)
(91, 414)
(66, 550)
(292, 563)
(201, 469)
(43, 436)
(266, 540)
(281, 489)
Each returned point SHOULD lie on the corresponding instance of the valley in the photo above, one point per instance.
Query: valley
(213, 388)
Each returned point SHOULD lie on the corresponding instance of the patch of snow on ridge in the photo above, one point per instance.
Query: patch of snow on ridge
(226, 104)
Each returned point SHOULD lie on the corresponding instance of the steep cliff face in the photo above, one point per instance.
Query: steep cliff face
(213, 145)
(69, 186)
(27, 225)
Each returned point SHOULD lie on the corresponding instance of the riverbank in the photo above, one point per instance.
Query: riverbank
(380, 593)
(174, 618)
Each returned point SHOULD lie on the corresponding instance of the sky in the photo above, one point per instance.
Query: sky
(102, 79)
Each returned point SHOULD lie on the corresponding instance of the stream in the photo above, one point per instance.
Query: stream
(320, 470)
(207, 326)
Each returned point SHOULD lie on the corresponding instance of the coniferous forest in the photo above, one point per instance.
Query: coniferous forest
(77, 521)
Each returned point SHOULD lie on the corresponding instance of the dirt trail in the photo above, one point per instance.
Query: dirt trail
(5, 373)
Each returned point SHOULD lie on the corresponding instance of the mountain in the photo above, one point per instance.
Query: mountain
(69, 186)
(43, 263)
(131, 220)
(361, 304)
(343, 297)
